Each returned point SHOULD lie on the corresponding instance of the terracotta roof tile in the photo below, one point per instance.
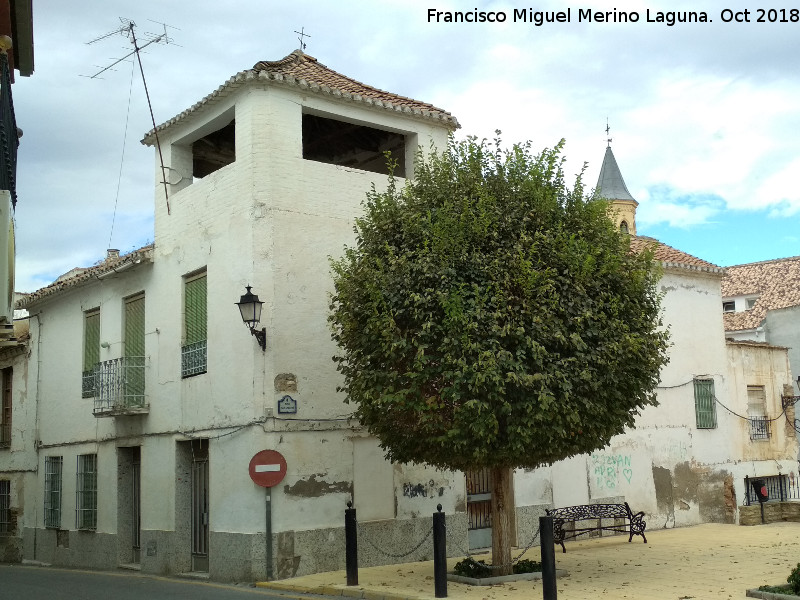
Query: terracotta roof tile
(76, 277)
(307, 68)
(672, 257)
(304, 71)
(776, 282)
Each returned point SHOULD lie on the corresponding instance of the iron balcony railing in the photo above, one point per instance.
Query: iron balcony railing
(5, 435)
(119, 386)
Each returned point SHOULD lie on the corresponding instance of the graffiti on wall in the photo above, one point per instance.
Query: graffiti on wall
(429, 490)
(611, 470)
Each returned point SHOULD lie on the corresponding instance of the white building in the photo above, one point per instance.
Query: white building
(265, 176)
(143, 398)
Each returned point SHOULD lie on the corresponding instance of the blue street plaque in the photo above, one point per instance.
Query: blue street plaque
(287, 406)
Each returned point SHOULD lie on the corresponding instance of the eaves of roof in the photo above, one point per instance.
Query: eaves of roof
(304, 73)
(672, 258)
(19, 346)
(754, 344)
(108, 267)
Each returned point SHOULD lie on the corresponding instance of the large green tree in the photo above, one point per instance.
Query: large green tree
(490, 315)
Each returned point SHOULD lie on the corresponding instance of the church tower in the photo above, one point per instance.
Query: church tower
(611, 186)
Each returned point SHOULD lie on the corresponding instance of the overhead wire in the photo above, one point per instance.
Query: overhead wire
(122, 157)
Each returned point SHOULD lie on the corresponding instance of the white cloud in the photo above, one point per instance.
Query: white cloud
(664, 205)
(706, 111)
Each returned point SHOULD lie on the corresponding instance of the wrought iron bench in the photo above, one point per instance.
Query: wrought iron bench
(624, 521)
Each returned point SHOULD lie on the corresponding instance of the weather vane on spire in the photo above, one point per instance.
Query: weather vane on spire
(608, 128)
(301, 34)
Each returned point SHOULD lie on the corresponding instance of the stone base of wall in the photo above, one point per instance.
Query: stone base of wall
(71, 548)
(241, 557)
(528, 523)
(380, 542)
(10, 549)
(774, 512)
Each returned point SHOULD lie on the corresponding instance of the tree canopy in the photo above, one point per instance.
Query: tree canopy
(491, 315)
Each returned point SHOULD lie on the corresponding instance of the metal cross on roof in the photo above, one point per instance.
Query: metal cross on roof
(301, 35)
(608, 128)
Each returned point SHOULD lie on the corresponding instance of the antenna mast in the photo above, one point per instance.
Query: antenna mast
(128, 29)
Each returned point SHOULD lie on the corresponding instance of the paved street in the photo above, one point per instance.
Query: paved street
(19, 582)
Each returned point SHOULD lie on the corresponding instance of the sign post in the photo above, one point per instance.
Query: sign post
(267, 469)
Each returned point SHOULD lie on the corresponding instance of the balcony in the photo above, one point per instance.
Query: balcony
(119, 387)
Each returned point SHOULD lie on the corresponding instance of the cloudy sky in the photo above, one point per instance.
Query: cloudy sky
(704, 117)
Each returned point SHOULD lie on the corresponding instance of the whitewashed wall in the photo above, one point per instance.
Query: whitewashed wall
(676, 473)
(270, 220)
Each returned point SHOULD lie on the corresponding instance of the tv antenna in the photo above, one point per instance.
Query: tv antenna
(128, 29)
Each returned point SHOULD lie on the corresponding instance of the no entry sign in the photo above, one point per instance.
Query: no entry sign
(267, 468)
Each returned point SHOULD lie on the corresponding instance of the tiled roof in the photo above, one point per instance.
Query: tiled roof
(776, 282)
(610, 184)
(671, 257)
(82, 276)
(306, 73)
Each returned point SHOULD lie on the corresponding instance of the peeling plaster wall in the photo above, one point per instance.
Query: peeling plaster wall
(18, 461)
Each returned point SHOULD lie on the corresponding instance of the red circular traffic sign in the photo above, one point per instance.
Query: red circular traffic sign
(267, 468)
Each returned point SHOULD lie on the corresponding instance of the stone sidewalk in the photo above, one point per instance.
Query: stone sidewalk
(705, 561)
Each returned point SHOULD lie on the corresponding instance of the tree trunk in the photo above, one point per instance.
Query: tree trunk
(502, 505)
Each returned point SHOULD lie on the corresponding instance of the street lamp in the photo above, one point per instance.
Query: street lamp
(250, 309)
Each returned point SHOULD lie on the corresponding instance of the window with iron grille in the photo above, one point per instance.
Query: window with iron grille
(5, 408)
(193, 352)
(52, 491)
(91, 352)
(86, 492)
(705, 403)
(5, 506)
(760, 428)
(757, 413)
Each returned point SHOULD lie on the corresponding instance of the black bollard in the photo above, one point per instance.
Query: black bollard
(549, 590)
(351, 544)
(439, 554)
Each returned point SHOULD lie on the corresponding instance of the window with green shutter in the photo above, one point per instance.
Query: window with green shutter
(134, 352)
(91, 351)
(705, 403)
(193, 353)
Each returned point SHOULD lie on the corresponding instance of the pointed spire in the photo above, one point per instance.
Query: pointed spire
(610, 184)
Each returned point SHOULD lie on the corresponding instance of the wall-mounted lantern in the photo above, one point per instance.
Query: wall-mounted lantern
(250, 309)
